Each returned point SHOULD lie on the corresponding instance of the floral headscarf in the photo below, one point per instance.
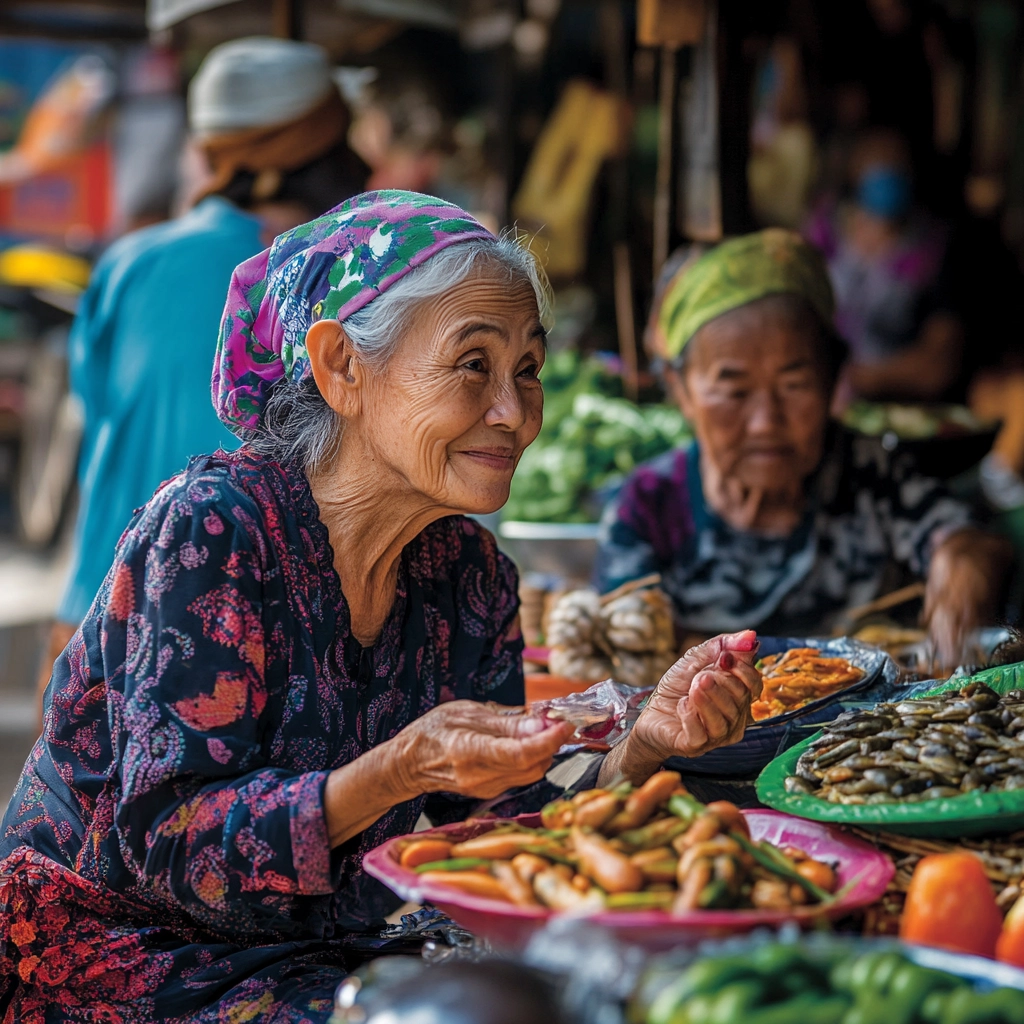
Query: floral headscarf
(770, 262)
(329, 268)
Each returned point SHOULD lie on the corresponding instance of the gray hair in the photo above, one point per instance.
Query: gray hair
(297, 424)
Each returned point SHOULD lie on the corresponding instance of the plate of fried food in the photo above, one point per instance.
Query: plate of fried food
(796, 677)
(650, 862)
(948, 762)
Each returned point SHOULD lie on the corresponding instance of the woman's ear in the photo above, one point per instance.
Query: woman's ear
(336, 370)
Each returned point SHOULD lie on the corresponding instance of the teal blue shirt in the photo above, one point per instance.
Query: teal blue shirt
(141, 354)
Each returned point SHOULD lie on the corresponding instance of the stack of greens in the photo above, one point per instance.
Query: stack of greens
(591, 437)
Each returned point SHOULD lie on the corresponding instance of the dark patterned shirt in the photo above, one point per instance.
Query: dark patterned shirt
(867, 509)
(166, 853)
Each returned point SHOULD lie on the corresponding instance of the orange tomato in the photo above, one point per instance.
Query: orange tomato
(1010, 947)
(950, 905)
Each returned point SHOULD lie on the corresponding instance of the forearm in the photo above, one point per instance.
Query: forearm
(630, 760)
(363, 790)
(923, 371)
(971, 554)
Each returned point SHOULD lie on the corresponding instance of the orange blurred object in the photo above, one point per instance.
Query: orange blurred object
(542, 686)
(1010, 947)
(950, 905)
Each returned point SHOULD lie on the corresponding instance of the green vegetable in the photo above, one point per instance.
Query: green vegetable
(455, 864)
(657, 834)
(590, 437)
(775, 959)
(806, 1008)
(683, 806)
(777, 862)
(1001, 1006)
(639, 900)
(546, 851)
(714, 896)
(735, 1001)
(704, 977)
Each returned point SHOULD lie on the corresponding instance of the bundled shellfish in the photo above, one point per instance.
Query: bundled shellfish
(964, 741)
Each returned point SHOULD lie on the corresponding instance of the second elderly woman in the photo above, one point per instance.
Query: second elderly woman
(296, 641)
(776, 518)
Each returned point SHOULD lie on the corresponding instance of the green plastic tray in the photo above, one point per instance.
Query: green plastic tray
(969, 815)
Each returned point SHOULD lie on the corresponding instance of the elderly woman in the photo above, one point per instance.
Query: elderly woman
(774, 517)
(296, 641)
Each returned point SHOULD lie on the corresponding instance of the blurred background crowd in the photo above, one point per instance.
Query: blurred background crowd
(890, 133)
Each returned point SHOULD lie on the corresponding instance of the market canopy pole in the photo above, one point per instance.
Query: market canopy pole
(669, 25)
(287, 19)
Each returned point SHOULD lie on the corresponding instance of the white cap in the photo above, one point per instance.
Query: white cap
(257, 82)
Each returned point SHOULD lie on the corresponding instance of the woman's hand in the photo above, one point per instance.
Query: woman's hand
(965, 582)
(469, 748)
(701, 703)
(460, 747)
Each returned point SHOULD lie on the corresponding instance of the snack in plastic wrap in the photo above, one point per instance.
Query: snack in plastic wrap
(602, 714)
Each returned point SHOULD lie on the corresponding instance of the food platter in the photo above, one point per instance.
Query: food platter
(863, 874)
(967, 814)
(763, 740)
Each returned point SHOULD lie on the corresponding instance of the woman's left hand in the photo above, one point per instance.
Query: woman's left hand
(701, 703)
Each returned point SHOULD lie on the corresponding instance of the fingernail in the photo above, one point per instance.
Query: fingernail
(726, 660)
(746, 641)
(531, 725)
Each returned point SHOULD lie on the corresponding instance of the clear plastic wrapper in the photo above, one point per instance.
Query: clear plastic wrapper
(602, 714)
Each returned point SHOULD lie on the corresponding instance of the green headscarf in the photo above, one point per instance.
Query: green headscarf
(770, 262)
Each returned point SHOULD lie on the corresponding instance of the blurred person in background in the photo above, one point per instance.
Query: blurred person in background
(774, 517)
(272, 126)
(886, 260)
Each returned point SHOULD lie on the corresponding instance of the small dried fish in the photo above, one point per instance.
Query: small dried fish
(927, 749)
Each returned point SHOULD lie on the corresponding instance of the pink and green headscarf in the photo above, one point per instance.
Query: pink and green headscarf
(327, 269)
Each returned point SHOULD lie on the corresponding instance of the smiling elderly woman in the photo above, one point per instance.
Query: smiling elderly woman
(291, 647)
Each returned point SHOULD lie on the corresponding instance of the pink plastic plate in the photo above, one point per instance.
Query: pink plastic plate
(859, 866)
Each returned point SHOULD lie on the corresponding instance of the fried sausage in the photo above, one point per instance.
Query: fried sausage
(471, 882)
(519, 892)
(606, 866)
(424, 851)
(497, 846)
(643, 802)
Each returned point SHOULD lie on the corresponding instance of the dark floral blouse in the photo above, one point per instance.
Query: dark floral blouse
(165, 855)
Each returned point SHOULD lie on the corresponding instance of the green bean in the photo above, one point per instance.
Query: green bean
(778, 863)
(455, 864)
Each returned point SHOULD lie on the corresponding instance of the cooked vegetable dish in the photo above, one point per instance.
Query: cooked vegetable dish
(649, 848)
(798, 676)
(959, 742)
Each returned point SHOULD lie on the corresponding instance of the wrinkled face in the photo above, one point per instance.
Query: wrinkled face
(460, 399)
(754, 389)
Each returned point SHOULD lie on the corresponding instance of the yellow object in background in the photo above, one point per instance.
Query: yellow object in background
(30, 266)
(672, 23)
(587, 127)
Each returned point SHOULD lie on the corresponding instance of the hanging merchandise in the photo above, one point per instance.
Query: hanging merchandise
(588, 127)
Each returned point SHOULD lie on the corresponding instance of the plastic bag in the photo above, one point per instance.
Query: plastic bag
(603, 714)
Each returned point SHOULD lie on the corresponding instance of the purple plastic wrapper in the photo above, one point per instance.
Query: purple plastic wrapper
(603, 714)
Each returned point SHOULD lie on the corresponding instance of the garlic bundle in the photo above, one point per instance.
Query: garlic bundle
(626, 635)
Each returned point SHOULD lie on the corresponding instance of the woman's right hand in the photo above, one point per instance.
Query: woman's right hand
(468, 748)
